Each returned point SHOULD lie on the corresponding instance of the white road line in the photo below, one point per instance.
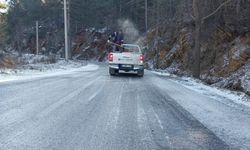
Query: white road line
(64, 100)
(161, 125)
(95, 94)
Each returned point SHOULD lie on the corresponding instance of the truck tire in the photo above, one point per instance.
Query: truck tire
(140, 73)
(111, 71)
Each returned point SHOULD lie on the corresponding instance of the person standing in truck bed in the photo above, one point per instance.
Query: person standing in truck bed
(118, 39)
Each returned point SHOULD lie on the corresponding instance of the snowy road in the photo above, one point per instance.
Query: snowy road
(89, 110)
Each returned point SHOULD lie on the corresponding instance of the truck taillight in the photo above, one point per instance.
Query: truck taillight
(141, 58)
(110, 57)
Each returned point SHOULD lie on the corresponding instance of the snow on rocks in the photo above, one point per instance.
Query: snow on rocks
(240, 80)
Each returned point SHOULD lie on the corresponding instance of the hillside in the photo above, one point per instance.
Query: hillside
(167, 31)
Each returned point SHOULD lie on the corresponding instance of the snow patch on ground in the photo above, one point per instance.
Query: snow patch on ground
(166, 74)
(38, 70)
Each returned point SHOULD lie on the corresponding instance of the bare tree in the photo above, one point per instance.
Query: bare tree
(199, 20)
(146, 15)
(157, 33)
(198, 24)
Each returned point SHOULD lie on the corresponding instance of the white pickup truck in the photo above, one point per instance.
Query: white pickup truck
(127, 58)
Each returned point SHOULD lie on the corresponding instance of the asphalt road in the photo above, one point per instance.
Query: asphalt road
(93, 111)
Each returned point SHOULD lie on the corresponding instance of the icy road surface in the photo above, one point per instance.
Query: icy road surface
(89, 110)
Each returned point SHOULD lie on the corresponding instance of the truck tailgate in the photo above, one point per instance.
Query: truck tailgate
(126, 58)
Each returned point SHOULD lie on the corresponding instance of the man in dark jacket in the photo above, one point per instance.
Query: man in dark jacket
(120, 38)
(117, 38)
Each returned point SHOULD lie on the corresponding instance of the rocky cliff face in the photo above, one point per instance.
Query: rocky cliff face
(225, 57)
(225, 47)
(90, 45)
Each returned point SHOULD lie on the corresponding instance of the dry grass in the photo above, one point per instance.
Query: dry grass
(7, 62)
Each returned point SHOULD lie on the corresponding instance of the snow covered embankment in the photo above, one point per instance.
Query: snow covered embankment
(35, 68)
(207, 90)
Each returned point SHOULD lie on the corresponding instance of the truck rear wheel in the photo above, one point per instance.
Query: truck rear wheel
(140, 73)
(112, 71)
